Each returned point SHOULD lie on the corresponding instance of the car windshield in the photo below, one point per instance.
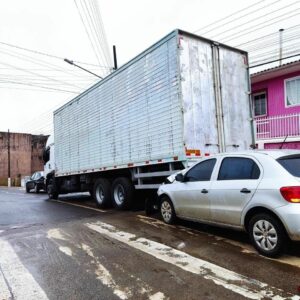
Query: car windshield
(291, 163)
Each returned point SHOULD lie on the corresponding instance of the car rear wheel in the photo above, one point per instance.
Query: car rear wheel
(167, 211)
(267, 235)
(101, 193)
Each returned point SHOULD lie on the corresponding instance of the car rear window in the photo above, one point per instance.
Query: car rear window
(291, 164)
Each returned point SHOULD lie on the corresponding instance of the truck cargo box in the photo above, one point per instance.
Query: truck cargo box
(184, 96)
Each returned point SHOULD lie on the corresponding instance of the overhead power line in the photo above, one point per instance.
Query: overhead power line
(94, 31)
(49, 55)
(258, 18)
(40, 86)
(255, 28)
(229, 16)
(275, 60)
(242, 17)
(268, 35)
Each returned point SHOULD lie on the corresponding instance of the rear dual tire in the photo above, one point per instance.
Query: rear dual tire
(102, 193)
(122, 193)
(119, 194)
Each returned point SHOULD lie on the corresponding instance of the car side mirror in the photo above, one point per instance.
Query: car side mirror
(179, 177)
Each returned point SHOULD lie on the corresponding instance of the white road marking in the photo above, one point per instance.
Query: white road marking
(157, 296)
(4, 291)
(22, 284)
(66, 250)
(245, 248)
(55, 234)
(102, 273)
(82, 206)
(230, 280)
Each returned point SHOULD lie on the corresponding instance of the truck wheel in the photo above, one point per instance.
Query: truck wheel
(102, 192)
(122, 193)
(52, 194)
(267, 235)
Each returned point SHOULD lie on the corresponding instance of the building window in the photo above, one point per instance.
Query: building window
(292, 91)
(260, 104)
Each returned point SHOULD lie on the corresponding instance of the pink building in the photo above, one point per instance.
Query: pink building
(276, 106)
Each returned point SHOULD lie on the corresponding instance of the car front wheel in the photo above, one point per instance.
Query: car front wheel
(267, 235)
(36, 189)
(167, 211)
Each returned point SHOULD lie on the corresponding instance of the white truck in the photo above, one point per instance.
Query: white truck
(180, 99)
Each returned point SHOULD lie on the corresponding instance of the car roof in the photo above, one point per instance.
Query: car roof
(276, 153)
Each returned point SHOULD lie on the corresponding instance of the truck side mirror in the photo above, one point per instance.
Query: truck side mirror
(46, 155)
(179, 177)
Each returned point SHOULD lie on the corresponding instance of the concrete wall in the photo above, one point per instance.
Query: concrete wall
(25, 156)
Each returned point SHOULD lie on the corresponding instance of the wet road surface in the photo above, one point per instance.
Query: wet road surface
(68, 249)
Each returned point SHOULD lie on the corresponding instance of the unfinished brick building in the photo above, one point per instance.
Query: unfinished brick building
(25, 155)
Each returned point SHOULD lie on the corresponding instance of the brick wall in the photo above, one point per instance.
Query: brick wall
(25, 156)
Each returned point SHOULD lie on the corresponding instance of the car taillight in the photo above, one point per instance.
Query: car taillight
(291, 193)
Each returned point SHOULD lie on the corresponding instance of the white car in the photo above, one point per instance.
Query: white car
(255, 191)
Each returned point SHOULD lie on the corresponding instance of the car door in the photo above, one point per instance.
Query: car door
(234, 186)
(190, 197)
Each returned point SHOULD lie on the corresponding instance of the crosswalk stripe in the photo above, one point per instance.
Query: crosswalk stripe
(4, 291)
(247, 287)
(19, 281)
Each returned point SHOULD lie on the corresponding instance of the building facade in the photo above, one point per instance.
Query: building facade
(276, 106)
(25, 151)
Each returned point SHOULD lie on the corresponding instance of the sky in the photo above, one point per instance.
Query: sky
(32, 84)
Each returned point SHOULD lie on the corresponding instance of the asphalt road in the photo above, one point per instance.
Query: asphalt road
(69, 249)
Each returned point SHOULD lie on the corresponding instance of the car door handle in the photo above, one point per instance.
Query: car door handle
(245, 191)
(204, 191)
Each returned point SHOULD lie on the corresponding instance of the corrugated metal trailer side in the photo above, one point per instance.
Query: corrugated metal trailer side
(183, 97)
(132, 117)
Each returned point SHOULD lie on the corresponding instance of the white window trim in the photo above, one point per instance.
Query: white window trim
(285, 99)
(257, 94)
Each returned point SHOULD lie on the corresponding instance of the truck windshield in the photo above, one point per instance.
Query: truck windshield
(291, 164)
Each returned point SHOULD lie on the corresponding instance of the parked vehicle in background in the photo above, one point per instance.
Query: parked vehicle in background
(258, 192)
(35, 182)
(173, 103)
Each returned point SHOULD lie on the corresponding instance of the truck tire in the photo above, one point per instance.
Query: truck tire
(52, 193)
(102, 193)
(122, 193)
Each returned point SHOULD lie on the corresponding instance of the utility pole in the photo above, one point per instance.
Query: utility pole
(8, 159)
(115, 57)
